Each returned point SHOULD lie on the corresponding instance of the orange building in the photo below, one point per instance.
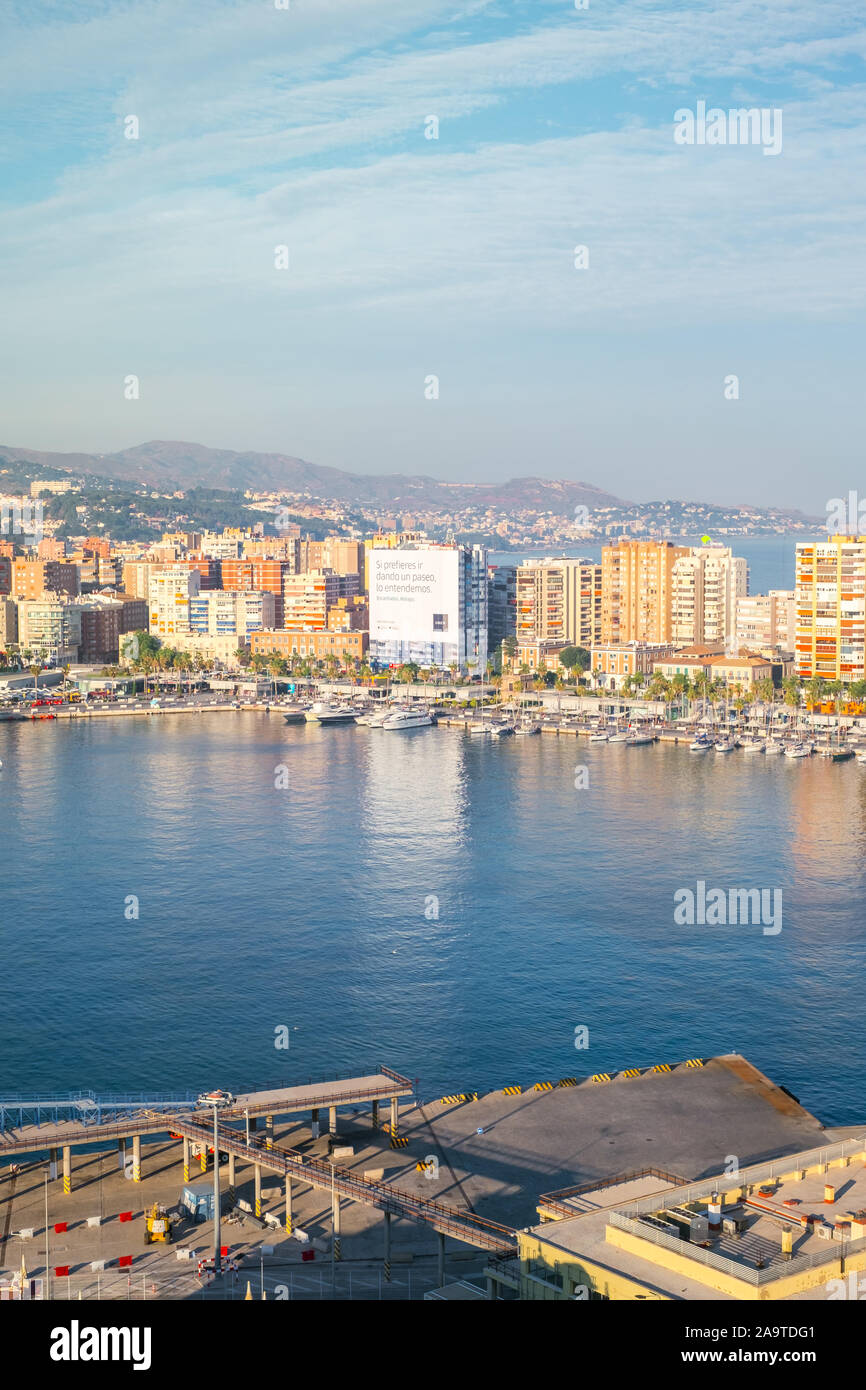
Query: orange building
(636, 590)
(33, 578)
(830, 597)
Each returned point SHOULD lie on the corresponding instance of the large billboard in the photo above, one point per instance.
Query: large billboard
(414, 595)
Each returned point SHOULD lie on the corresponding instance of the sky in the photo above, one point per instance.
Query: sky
(411, 258)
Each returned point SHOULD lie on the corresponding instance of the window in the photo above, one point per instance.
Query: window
(440, 622)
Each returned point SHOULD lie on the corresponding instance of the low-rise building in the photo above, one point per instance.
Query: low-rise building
(613, 662)
(347, 647)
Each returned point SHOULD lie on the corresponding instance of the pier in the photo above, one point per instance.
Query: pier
(433, 1184)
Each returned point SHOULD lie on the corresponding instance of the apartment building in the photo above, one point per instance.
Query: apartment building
(171, 590)
(501, 604)
(830, 592)
(428, 604)
(559, 600)
(706, 585)
(766, 622)
(637, 590)
(231, 611)
(50, 627)
(33, 578)
(334, 553)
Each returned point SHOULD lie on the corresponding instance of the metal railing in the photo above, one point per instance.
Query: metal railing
(326, 1176)
(779, 1269)
(557, 1200)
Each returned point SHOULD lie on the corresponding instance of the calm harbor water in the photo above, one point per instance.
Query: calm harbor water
(312, 906)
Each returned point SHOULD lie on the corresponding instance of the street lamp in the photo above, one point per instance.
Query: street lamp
(217, 1237)
(217, 1100)
(47, 1264)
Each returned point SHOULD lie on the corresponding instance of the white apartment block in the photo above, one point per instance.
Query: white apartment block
(170, 591)
(706, 586)
(224, 612)
(766, 621)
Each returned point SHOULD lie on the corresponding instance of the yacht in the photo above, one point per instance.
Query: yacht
(701, 744)
(502, 730)
(598, 736)
(380, 718)
(752, 745)
(295, 714)
(773, 746)
(637, 737)
(621, 736)
(797, 750)
(725, 745)
(408, 719)
(527, 726)
(322, 713)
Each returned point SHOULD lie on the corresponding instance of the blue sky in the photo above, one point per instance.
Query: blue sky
(410, 257)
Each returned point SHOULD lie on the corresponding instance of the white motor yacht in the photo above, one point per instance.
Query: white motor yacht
(322, 713)
(598, 737)
(409, 719)
(636, 738)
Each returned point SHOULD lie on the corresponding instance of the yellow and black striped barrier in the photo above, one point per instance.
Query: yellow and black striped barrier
(567, 1081)
(602, 1076)
(423, 1167)
(632, 1071)
(337, 1252)
(512, 1090)
(695, 1062)
(397, 1142)
(459, 1098)
(662, 1066)
(543, 1086)
(387, 1271)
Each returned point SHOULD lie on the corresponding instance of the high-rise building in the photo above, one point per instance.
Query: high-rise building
(307, 598)
(706, 584)
(831, 608)
(765, 622)
(223, 611)
(559, 600)
(171, 589)
(428, 604)
(501, 604)
(636, 588)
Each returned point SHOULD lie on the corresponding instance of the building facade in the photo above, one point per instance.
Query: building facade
(706, 585)
(831, 609)
(637, 590)
(428, 604)
(171, 589)
(559, 600)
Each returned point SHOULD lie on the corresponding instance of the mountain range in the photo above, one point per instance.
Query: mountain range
(174, 464)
